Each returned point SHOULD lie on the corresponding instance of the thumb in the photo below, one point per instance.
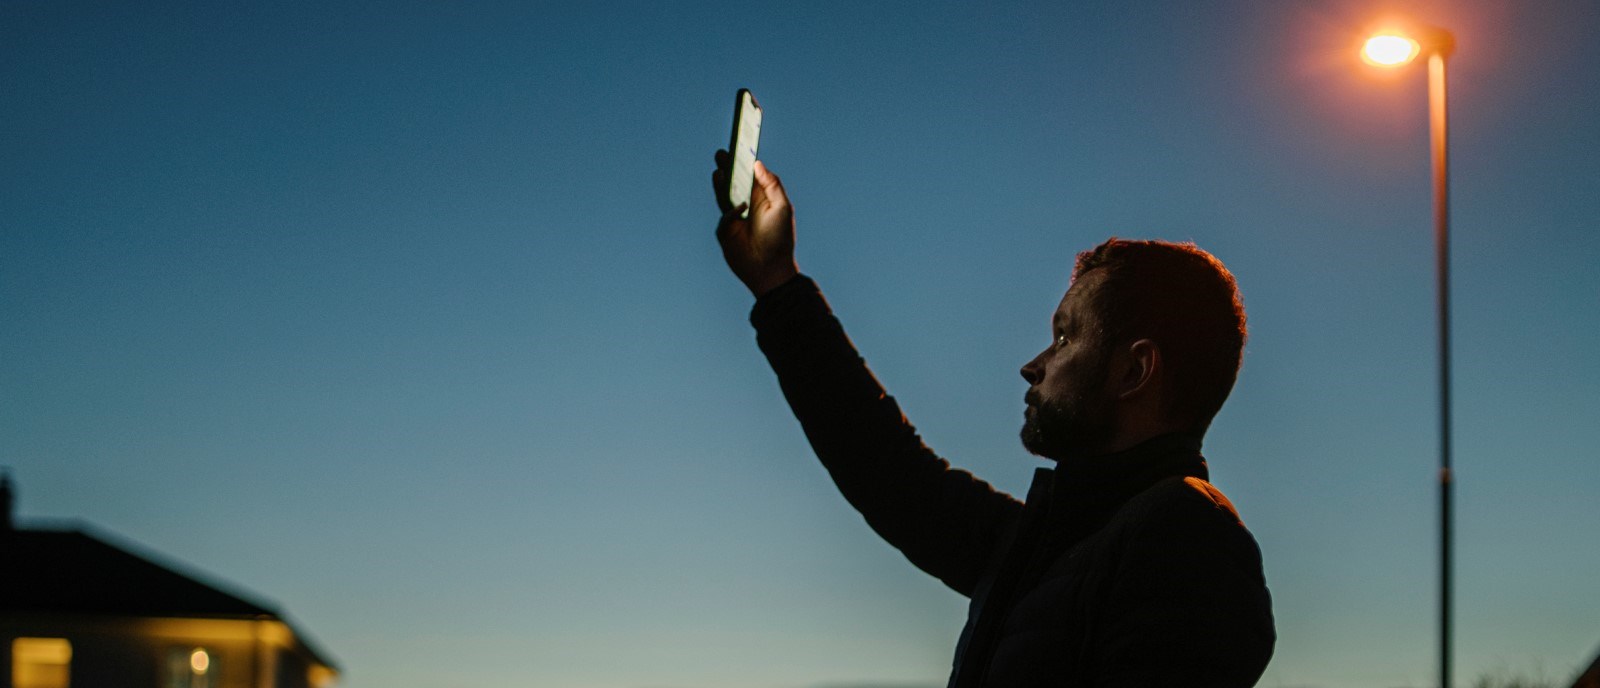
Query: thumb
(770, 185)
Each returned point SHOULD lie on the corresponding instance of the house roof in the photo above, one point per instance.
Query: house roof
(73, 571)
(78, 572)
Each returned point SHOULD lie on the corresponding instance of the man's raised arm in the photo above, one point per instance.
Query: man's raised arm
(946, 521)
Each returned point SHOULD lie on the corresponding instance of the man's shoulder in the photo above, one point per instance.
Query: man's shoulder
(1182, 503)
(1194, 494)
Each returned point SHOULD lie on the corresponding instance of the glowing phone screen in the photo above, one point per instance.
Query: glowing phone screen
(746, 137)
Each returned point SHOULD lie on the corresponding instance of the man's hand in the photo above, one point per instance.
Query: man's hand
(759, 250)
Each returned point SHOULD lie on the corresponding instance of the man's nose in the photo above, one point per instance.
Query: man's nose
(1032, 371)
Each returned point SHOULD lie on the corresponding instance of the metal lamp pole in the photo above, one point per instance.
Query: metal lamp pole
(1393, 50)
(1438, 117)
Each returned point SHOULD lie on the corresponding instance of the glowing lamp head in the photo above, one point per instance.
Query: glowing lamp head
(1389, 50)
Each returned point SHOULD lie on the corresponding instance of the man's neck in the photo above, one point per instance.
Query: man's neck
(1130, 462)
(1135, 431)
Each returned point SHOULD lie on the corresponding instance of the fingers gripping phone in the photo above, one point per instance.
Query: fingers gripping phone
(746, 137)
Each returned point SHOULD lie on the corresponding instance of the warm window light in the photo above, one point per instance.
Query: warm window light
(1389, 50)
(40, 662)
(320, 676)
(199, 661)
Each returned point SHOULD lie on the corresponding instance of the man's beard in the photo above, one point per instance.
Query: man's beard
(1074, 426)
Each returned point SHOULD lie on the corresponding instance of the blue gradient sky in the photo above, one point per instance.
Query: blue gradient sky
(409, 317)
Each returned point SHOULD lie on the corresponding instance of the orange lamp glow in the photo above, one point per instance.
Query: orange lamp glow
(1389, 50)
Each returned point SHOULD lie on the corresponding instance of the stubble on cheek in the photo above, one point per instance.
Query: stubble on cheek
(1081, 422)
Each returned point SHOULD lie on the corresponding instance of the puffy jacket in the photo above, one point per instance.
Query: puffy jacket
(1120, 570)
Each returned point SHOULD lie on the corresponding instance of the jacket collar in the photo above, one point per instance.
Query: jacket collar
(1081, 494)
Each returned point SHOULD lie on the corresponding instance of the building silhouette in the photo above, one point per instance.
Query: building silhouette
(78, 609)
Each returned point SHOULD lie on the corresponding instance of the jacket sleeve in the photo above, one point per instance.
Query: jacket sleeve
(946, 521)
(1189, 605)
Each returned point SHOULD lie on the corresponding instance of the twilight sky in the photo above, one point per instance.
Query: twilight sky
(409, 318)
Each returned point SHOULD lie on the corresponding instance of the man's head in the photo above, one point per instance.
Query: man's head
(1146, 341)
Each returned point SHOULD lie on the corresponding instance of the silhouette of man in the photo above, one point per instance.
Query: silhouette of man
(1123, 567)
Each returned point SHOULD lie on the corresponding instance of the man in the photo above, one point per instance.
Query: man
(1123, 567)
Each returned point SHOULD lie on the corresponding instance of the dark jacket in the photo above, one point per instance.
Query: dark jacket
(1120, 570)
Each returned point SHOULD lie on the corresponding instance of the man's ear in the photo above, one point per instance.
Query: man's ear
(1142, 368)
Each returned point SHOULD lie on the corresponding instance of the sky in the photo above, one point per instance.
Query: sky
(408, 317)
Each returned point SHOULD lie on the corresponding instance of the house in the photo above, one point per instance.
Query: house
(80, 609)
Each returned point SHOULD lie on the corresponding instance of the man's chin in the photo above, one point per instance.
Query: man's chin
(1062, 442)
(1034, 440)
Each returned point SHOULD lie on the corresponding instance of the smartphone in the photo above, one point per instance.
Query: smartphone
(746, 137)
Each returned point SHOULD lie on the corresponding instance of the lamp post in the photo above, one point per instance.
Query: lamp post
(1392, 49)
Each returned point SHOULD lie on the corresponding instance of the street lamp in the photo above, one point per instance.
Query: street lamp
(1395, 49)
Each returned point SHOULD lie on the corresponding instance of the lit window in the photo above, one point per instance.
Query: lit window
(191, 667)
(40, 662)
